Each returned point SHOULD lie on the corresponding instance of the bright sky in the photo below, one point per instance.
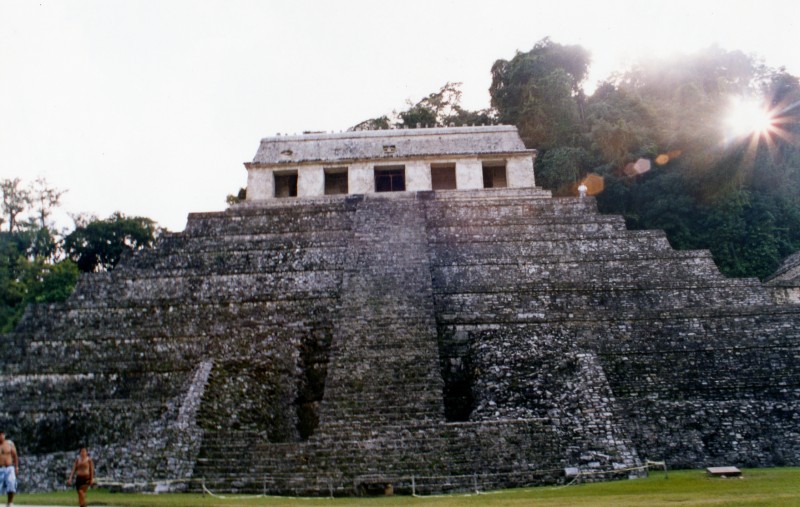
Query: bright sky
(151, 107)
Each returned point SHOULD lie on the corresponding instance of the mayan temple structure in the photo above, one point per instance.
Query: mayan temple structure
(404, 308)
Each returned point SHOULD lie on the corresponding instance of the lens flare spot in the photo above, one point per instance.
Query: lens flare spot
(641, 166)
(662, 159)
(595, 183)
(746, 117)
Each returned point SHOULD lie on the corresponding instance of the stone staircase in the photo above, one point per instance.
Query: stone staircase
(384, 360)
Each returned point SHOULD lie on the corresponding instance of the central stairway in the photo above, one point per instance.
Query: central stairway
(384, 366)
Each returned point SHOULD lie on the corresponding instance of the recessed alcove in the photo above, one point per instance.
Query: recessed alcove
(443, 176)
(286, 184)
(494, 174)
(390, 178)
(336, 180)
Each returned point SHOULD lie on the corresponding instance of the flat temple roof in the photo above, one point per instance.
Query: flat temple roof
(389, 144)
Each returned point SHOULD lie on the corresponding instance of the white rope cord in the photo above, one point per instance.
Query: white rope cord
(245, 497)
(648, 464)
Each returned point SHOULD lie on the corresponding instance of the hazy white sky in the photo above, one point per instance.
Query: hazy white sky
(150, 107)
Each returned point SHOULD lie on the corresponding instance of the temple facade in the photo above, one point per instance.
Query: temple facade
(365, 162)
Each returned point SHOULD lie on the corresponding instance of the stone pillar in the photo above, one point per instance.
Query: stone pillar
(418, 176)
(360, 179)
(310, 181)
(519, 172)
(469, 174)
(260, 184)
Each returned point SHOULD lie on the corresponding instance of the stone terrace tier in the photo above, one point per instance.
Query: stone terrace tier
(437, 340)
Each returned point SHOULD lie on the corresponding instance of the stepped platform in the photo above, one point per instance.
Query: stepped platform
(436, 341)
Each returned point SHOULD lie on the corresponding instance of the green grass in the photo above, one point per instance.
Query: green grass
(757, 487)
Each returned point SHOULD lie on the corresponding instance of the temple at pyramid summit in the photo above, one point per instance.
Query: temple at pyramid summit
(403, 310)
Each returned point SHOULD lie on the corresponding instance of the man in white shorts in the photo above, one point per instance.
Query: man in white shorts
(9, 468)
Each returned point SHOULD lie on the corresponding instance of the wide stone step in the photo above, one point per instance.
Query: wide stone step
(522, 219)
(561, 302)
(621, 272)
(462, 213)
(278, 219)
(232, 287)
(229, 261)
(492, 232)
(511, 250)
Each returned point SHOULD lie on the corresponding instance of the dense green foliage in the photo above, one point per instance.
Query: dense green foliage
(99, 244)
(33, 263)
(707, 186)
(29, 279)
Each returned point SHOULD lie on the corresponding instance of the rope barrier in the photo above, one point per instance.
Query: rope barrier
(648, 464)
(375, 478)
(207, 491)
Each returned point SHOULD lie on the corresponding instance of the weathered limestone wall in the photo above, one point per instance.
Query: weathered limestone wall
(520, 172)
(489, 337)
(361, 179)
(469, 174)
(311, 181)
(260, 184)
(418, 176)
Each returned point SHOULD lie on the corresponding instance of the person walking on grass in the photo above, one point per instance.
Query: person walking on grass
(9, 468)
(83, 473)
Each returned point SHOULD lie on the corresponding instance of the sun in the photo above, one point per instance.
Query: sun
(750, 122)
(748, 117)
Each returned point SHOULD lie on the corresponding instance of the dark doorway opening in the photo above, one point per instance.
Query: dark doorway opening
(494, 175)
(390, 179)
(458, 374)
(335, 181)
(285, 184)
(443, 176)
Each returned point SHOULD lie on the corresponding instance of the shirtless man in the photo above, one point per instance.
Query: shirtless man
(83, 473)
(9, 468)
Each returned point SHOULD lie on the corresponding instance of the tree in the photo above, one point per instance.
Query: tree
(560, 167)
(15, 200)
(99, 244)
(380, 123)
(620, 126)
(437, 109)
(240, 196)
(736, 196)
(541, 93)
(43, 199)
(28, 279)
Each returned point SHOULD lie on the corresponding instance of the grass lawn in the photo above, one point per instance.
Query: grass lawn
(757, 487)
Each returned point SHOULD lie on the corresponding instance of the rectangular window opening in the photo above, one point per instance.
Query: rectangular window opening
(336, 181)
(443, 176)
(286, 184)
(390, 179)
(494, 174)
